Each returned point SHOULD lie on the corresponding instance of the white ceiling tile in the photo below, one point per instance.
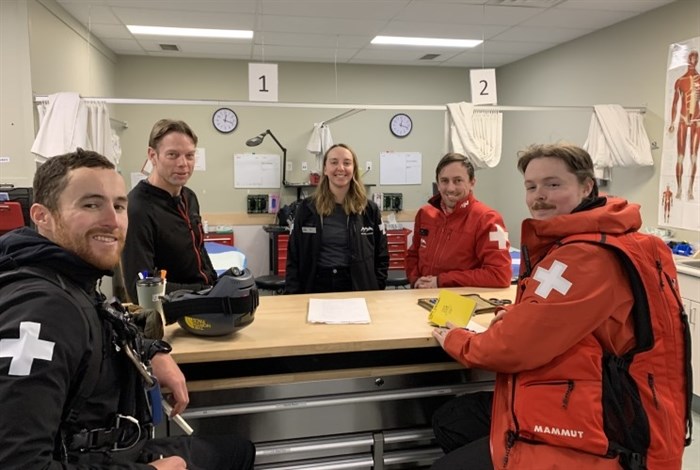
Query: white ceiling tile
(109, 31)
(184, 19)
(358, 9)
(293, 24)
(203, 48)
(90, 13)
(405, 54)
(311, 40)
(467, 14)
(548, 35)
(217, 6)
(442, 30)
(580, 18)
(618, 5)
(516, 47)
(307, 52)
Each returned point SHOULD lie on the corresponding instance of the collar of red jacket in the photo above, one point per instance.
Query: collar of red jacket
(462, 205)
(616, 216)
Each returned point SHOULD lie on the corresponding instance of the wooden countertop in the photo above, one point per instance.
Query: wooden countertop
(280, 328)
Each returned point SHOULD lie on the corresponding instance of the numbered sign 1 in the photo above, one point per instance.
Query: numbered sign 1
(483, 86)
(262, 82)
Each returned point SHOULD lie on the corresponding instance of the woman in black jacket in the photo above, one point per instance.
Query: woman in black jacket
(338, 241)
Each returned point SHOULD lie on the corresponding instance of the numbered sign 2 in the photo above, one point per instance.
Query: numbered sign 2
(483, 83)
(262, 82)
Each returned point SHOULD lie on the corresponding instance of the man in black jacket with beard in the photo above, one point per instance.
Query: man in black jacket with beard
(70, 396)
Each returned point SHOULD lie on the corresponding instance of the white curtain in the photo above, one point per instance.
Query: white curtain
(475, 134)
(319, 142)
(99, 131)
(67, 122)
(617, 138)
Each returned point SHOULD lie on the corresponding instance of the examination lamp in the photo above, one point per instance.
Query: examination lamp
(257, 140)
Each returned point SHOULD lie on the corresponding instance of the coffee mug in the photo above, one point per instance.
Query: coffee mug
(149, 291)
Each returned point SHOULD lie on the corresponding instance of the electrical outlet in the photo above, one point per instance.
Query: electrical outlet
(392, 202)
(290, 167)
(304, 166)
(368, 165)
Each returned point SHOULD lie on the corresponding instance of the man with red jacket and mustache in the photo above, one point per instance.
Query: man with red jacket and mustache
(597, 320)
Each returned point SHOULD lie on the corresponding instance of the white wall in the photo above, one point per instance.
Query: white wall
(623, 64)
(367, 132)
(16, 116)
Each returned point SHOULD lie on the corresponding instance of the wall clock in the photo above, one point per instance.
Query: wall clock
(401, 125)
(224, 120)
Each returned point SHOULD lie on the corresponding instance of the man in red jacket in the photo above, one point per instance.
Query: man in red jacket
(574, 310)
(458, 240)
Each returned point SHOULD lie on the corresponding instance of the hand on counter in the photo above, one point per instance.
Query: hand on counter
(426, 282)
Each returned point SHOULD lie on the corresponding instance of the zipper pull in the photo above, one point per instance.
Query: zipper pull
(511, 437)
(567, 395)
(525, 254)
(659, 268)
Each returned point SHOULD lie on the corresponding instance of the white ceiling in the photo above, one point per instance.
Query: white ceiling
(341, 30)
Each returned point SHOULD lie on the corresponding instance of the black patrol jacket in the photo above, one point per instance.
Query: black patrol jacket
(369, 257)
(165, 232)
(32, 401)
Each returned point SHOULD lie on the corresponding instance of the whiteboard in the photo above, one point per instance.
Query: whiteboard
(255, 170)
(400, 167)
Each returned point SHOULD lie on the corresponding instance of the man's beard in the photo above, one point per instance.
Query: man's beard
(79, 244)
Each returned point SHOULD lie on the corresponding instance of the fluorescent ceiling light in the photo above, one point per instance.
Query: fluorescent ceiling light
(403, 41)
(190, 32)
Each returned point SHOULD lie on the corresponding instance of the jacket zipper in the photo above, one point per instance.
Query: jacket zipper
(567, 395)
(511, 435)
(442, 244)
(185, 215)
(652, 386)
(659, 267)
(570, 384)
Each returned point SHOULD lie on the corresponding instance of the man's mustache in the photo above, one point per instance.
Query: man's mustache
(539, 206)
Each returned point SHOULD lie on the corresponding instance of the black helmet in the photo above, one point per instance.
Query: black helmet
(227, 307)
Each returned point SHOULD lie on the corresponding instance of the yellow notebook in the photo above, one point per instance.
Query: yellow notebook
(453, 308)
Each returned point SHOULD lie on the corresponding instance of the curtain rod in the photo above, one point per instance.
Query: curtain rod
(395, 107)
(44, 99)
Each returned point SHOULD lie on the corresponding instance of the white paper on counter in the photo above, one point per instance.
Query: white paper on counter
(475, 327)
(338, 311)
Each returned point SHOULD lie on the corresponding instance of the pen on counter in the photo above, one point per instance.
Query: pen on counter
(177, 419)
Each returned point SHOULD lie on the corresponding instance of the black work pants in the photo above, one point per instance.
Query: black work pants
(332, 280)
(462, 427)
(203, 453)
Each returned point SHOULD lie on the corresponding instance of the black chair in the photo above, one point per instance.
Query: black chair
(397, 278)
(273, 281)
